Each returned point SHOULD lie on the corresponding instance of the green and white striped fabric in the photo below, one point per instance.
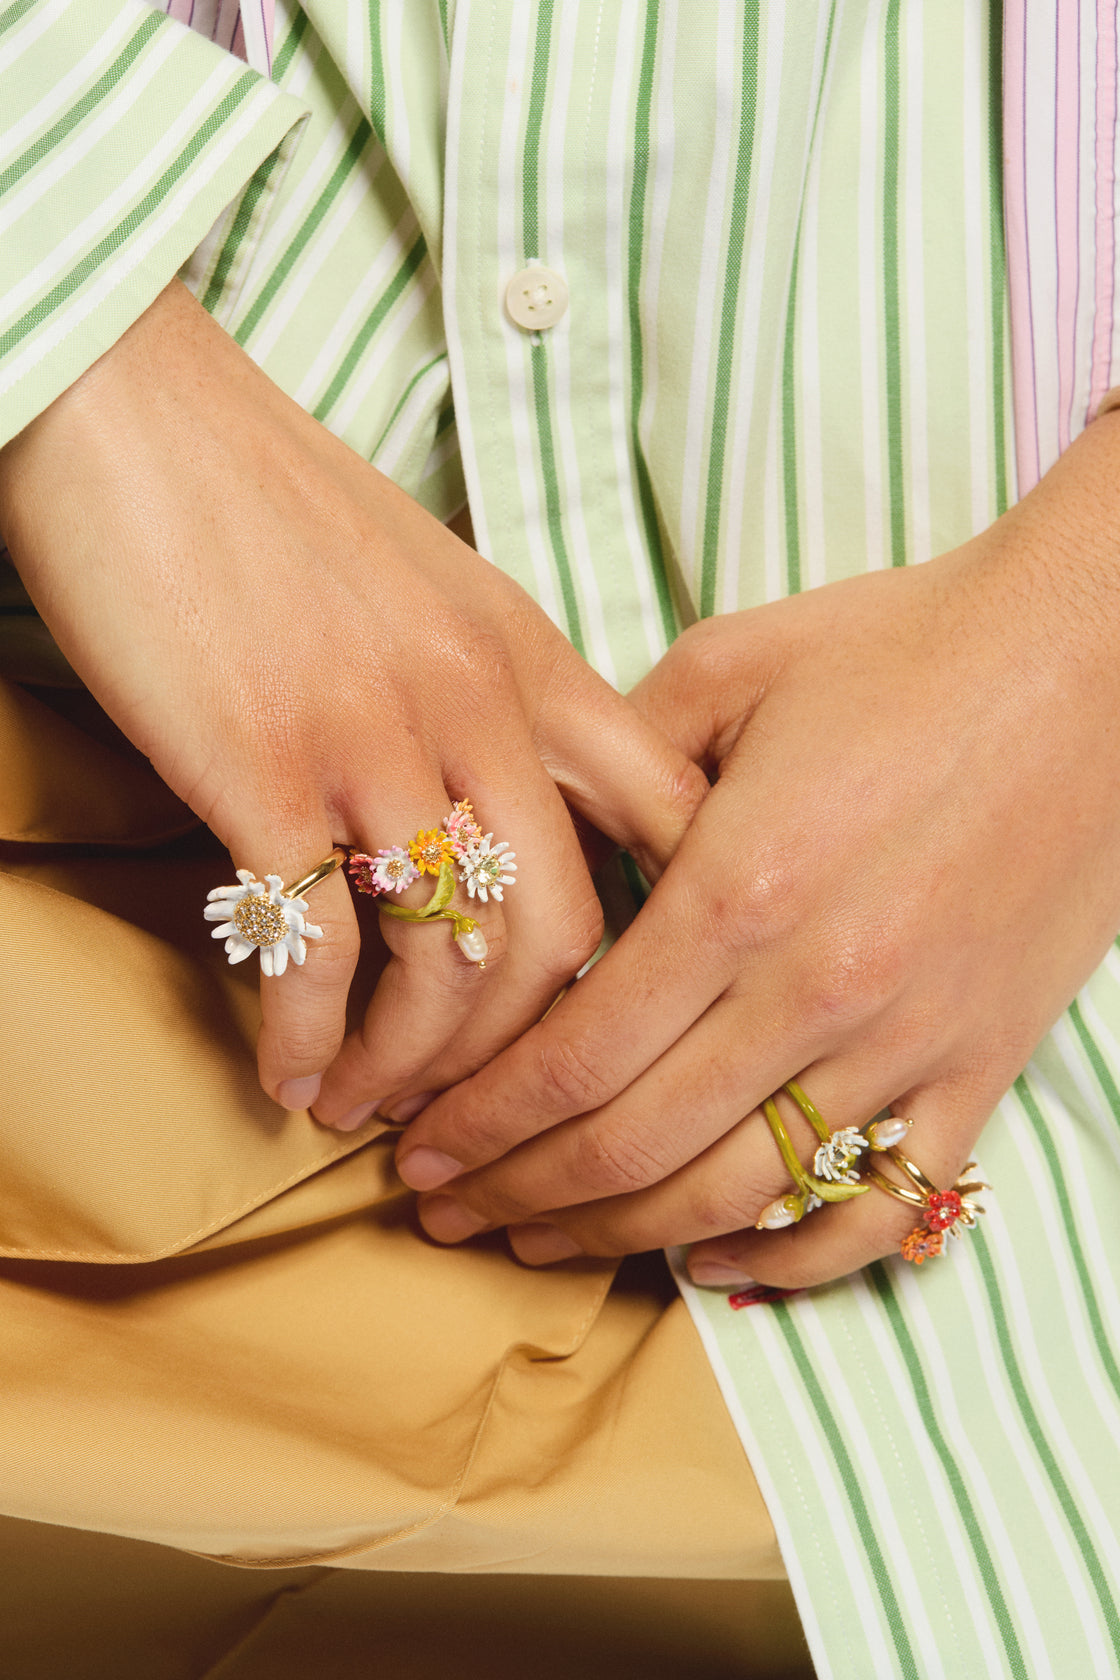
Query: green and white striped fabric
(784, 361)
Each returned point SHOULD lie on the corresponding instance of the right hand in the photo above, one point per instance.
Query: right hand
(309, 658)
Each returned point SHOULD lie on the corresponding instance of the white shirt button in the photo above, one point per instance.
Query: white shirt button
(536, 298)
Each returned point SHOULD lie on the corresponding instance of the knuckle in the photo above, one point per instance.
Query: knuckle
(569, 1080)
(851, 983)
(756, 910)
(576, 937)
(611, 1163)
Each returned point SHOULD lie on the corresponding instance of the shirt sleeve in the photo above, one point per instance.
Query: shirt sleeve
(124, 138)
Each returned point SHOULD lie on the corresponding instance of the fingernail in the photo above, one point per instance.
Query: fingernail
(714, 1272)
(427, 1169)
(449, 1221)
(409, 1107)
(356, 1117)
(299, 1093)
(540, 1245)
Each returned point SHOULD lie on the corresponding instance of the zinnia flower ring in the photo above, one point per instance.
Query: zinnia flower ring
(484, 868)
(268, 917)
(944, 1212)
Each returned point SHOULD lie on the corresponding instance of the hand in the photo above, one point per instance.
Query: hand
(307, 657)
(909, 864)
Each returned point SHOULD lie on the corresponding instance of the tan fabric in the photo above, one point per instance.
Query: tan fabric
(93, 1607)
(221, 1329)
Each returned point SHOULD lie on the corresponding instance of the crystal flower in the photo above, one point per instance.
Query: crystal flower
(430, 850)
(835, 1161)
(482, 866)
(257, 917)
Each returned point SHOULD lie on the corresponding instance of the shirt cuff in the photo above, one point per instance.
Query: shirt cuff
(124, 138)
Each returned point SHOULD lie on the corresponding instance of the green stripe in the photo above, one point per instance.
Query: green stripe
(892, 311)
(404, 396)
(345, 166)
(93, 96)
(15, 14)
(376, 72)
(790, 498)
(789, 430)
(729, 309)
(361, 342)
(242, 222)
(124, 230)
(1038, 1438)
(282, 62)
(880, 1572)
(538, 355)
(1100, 1067)
(997, 256)
(1046, 1143)
(443, 25)
(879, 1279)
(646, 500)
(446, 417)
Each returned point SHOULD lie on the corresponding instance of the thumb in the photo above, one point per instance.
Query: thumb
(620, 771)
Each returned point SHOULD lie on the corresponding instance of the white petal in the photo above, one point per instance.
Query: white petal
(297, 948)
(266, 958)
(496, 891)
(234, 894)
(225, 929)
(246, 877)
(279, 955)
(239, 949)
(311, 932)
(221, 910)
(275, 886)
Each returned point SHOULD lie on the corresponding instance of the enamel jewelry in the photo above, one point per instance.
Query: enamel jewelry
(944, 1212)
(835, 1176)
(485, 869)
(268, 917)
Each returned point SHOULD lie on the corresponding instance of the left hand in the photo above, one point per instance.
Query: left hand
(908, 866)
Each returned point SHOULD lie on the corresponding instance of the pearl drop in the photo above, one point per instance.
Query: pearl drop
(472, 944)
(884, 1134)
(775, 1216)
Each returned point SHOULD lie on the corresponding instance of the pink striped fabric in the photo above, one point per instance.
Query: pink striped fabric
(243, 27)
(1060, 174)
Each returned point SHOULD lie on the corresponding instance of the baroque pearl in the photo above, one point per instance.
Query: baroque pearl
(884, 1134)
(775, 1216)
(472, 944)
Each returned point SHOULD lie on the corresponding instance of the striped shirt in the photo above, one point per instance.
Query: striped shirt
(787, 358)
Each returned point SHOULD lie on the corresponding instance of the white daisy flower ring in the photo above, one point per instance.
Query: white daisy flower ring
(482, 867)
(260, 916)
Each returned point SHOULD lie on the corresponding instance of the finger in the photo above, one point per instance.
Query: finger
(706, 685)
(624, 1014)
(840, 1240)
(643, 1136)
(553, 924)
(429, 988)
(305, 977)
(619, 770)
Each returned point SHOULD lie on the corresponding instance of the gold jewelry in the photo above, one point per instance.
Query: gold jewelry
(268, 917)
(834, 1177)
(944, 1212)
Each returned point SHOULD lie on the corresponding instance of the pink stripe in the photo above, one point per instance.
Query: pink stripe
(1067, 135)
(1024, 396)
(1101, 368)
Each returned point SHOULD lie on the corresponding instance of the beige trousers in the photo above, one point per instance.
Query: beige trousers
(222, 1328)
